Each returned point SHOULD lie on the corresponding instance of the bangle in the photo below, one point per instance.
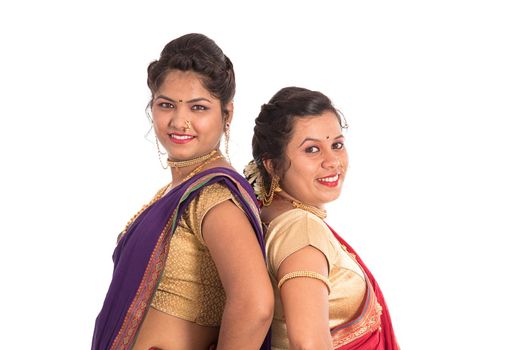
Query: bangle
(307, 274)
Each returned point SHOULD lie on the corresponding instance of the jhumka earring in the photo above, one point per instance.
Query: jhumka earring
(267, 198)
(159, 154)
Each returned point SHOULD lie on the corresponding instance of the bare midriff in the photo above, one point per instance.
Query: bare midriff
(166, 332)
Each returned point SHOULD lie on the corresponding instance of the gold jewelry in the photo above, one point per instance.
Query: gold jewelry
(159, 154)
(227, 134)
(267, 198)
(188, 125)
(185, 163)
(201, 166)
(307, 274)
(321, 213)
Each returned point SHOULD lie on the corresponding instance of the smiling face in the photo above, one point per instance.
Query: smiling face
(183, 101)
(318, 160)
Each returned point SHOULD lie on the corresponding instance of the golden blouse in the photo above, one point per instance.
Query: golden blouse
(190, 286)
(294, 230)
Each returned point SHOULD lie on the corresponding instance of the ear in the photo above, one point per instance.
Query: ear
(229, 113)
(268, 164)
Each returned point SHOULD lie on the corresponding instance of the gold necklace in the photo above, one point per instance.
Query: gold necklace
(201, 166)
(321, 213)
(189, 162)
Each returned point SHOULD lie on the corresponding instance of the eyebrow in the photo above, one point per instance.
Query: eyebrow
(197, 99)
(317, 140)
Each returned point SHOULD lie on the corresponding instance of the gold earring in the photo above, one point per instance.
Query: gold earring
(267, 198)
(159, 154)
(227, 135)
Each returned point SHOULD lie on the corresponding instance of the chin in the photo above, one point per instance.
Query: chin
(184, 155)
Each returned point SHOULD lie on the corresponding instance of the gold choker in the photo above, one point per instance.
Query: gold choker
(189, 162)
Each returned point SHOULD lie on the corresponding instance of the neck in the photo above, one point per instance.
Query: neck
(189, 162)
(182, 174)
(318, 211)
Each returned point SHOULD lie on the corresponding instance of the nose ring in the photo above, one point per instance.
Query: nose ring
(188, 125)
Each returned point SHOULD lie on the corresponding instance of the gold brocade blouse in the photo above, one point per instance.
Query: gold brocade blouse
(294, 230)
(190, 287)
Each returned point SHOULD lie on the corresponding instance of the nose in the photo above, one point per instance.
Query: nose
(179, 118)
(331, 161)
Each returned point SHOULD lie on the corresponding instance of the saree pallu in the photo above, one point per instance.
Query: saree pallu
(373, 329)
(140, 256)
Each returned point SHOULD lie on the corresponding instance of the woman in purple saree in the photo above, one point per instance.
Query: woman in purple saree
(325, 297)
(189, 270)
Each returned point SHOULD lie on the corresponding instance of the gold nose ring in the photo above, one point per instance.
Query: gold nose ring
(188, 125)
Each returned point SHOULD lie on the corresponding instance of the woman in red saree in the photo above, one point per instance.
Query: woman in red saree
(189, 269)
(325, 297)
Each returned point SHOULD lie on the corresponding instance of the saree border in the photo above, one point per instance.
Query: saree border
(367, 322)
(134, 315)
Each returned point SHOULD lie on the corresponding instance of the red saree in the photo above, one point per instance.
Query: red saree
(372, 330)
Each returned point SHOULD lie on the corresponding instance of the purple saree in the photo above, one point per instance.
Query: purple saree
(140, 257)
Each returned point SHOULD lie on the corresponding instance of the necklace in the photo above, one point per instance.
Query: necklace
(201, 166)
(185, 163)
(321, 213)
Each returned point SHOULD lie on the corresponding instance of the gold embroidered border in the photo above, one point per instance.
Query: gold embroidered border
(369, 322)
(126, 335)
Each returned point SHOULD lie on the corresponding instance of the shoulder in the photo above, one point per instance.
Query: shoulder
(296, 221)
(213, 192)
(206, 199)
(294, 230)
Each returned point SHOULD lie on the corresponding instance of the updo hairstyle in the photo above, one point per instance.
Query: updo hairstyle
(274, 126)
(200, 54)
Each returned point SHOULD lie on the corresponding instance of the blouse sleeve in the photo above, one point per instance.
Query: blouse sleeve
(209, 197)
(299, 230)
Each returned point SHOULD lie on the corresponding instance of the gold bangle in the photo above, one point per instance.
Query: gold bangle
(308, 274)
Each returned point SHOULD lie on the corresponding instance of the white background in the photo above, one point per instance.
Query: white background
(434, 201)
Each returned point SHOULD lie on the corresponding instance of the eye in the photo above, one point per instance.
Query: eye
(166, 105)
(312, 149)
(337, 145)
(199, 108)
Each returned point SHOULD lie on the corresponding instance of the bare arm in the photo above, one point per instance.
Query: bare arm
(249, 298)
(305, 301)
